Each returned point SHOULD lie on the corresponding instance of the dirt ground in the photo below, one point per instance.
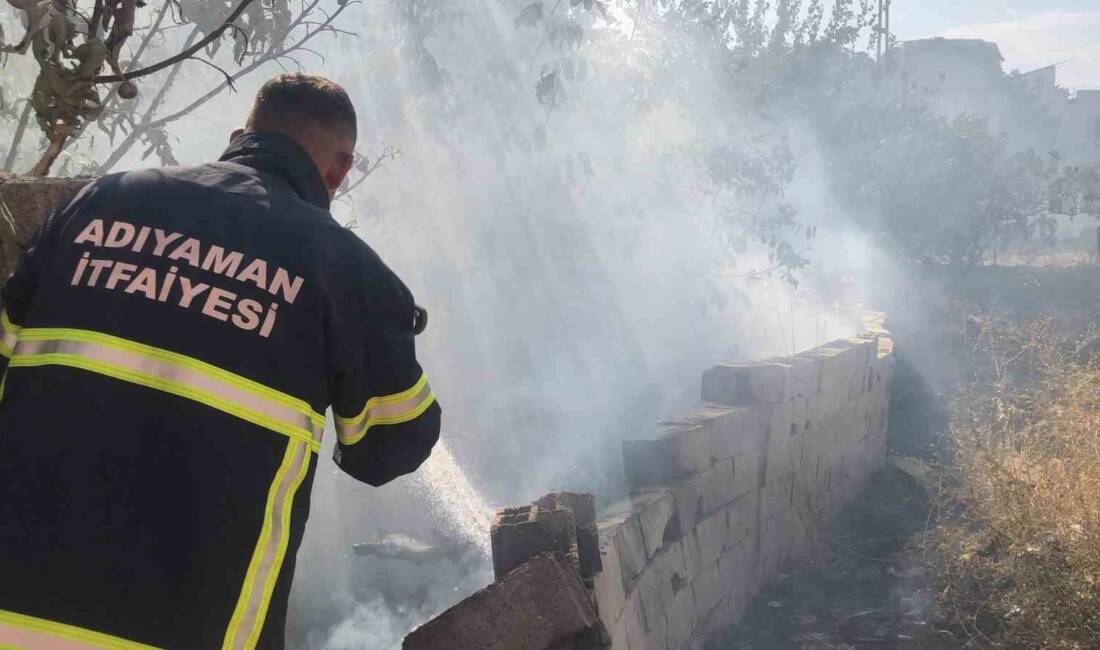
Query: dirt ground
(871, 591)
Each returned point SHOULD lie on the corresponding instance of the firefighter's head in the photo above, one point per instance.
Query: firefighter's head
(316, 113)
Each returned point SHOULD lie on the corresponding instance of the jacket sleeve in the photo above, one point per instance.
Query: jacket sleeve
(387, 417)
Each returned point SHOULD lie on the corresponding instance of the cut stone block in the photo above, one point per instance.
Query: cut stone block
(748, 473)
(664, 578)
(608, 587)
(717, 488)
(738, 429)
(540, 605)
(803, 375)
(681, 617)
(583, 507)
(657, 515)
(741, 384)
(630, 630)
(518, 534)
(708, 541)
(688, 495)
(681, 452)
(560, 521)
(709, 591)
(619, 525)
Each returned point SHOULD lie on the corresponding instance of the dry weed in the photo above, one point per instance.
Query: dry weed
(1019, 537)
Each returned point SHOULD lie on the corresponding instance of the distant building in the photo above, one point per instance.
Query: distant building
(956, 76)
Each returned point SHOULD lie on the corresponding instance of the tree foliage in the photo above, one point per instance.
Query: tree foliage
(73, 41)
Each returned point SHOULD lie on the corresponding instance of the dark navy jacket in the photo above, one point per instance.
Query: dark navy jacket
(172, 340)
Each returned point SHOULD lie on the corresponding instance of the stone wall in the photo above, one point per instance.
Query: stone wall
(739, 491)
(723, 501)
(24, 202)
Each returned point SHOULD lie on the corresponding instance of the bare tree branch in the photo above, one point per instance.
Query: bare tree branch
(182, 56)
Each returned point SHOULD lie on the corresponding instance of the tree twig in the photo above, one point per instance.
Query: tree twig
(9, 161)
(182, 56)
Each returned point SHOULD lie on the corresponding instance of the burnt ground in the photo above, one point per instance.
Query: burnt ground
(870, 591)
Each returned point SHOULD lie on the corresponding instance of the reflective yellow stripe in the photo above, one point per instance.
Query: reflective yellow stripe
(172, 373)
(9, 334)
(27, 632)
(388, 409)
(267, 558)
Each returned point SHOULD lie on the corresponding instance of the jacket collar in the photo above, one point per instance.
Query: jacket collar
(281, 156)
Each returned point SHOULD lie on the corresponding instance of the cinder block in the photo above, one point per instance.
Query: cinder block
(657, 514)
(679, 453)
(741, 384)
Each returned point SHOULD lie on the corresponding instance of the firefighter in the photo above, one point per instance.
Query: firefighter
(172, 339)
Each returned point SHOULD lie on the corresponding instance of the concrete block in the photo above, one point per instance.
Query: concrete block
(741, 384)
(539, 605)
(680, 452)
(659, 521)
(718, 487)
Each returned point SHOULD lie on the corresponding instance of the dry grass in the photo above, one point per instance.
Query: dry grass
(1019, 538)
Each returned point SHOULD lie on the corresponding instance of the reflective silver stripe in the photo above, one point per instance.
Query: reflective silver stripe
(21, 631)
(391, 409)
(9, 334)
(267, 558)
(223, 391)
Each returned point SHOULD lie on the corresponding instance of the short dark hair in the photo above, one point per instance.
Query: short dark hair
(284, 102)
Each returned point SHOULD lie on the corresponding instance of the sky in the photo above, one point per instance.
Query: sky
(1030, 33)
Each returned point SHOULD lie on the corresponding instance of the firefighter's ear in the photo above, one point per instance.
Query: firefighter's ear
(337, 170)
(235, 133)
